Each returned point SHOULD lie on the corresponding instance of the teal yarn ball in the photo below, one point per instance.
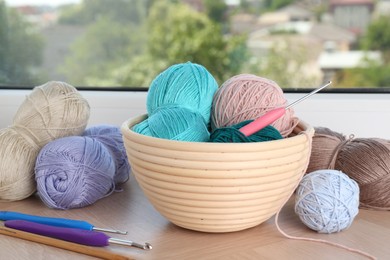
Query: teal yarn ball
(232, 134)
(327, 201)
(187, 85)
(175, 123)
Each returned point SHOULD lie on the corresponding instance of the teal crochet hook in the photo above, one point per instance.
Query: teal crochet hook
(58, 222)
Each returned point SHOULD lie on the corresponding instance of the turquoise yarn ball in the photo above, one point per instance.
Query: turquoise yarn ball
(187, 85)
(327, 201)
(175, 123)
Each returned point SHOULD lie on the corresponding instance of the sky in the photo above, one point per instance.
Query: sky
(40, 2)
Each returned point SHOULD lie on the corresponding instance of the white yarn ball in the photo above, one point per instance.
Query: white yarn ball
(327, 201)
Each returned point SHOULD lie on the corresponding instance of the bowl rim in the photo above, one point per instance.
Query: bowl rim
(301, 133)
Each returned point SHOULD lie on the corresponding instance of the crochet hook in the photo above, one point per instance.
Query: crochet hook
(58, 222)
(86, 250)
(79, 236)
(271, 116)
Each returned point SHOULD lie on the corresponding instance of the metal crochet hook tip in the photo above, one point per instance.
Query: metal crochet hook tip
(308, 95)
(110, 230)
(118, 241)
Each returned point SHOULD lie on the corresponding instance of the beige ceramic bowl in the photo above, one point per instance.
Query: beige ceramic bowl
(217, 187)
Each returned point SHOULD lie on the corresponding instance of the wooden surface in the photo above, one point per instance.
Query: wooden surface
(130, 210)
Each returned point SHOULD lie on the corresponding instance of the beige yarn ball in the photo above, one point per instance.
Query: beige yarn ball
(50, 111)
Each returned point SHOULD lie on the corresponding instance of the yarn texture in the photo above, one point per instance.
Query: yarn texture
(179, 104)
(175, 123)
(248, 97)
(365, 160)
(233, 135)
(111, 137)
(50, 111)
(74, 172)
(327, 201)
(187, 85)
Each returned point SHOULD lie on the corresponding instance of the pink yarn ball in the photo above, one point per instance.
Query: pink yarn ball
(248, 97)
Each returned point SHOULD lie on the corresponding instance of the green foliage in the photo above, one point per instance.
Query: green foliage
(378, 36)
(272, 5)
(216, 10)
(371, 75)
(113, 52)
(21, 49)
(187, 35)
(106, 45)
(121, 11)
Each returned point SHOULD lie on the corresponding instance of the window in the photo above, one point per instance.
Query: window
(126, 43)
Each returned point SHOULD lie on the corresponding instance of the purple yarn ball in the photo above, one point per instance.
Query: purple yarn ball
(74, 172)
(111, 137)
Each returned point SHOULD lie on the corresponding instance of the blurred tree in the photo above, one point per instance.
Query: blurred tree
(186, 35)
(121, 11)
(272, 5)
(371, 73)
(106, 45)
(21, 49)
(378, 36)
(216, 10)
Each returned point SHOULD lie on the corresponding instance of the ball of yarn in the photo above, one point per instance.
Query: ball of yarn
(111, 137)
(367, 161)
(74, 172)
(175, 123)
(248, 97)
(50, 111)
(324, 148)
(327, 201)
(186, 85)
(53, 110)
(17, 160)
(233, 135)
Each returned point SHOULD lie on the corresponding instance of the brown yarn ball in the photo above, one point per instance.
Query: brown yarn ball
(50, 111)
(248, 97)
(324, 145)
(365, 160)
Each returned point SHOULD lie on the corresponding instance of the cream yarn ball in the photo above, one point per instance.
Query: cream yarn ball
(50, 111)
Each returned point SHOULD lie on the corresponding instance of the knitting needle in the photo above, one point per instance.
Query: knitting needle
(271, 116)
(86, 250)
(84, 237)
(58, 222)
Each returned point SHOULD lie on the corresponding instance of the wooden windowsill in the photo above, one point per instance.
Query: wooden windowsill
(130, 210)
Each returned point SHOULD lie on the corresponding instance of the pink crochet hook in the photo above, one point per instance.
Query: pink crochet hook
(271, 116)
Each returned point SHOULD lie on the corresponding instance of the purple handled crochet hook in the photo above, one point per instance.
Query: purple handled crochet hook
(79, 236)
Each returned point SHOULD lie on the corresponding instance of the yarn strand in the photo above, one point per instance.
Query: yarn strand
(353, 250)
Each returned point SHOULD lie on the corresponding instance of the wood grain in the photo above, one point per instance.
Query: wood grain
(129, 210)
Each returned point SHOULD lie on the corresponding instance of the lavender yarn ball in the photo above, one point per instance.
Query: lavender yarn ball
(111, 137)
(327, 201)
(74, 172)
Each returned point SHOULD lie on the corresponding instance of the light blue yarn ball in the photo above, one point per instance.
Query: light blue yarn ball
(175, 123)
(111, 137)
(327, 201)
(74, 172)
(187, 85)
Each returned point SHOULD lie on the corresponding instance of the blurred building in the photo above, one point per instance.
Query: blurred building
(353, 15)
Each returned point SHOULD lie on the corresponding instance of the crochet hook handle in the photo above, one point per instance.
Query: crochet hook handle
(79, 236)
(58, 222)
(271, 116)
